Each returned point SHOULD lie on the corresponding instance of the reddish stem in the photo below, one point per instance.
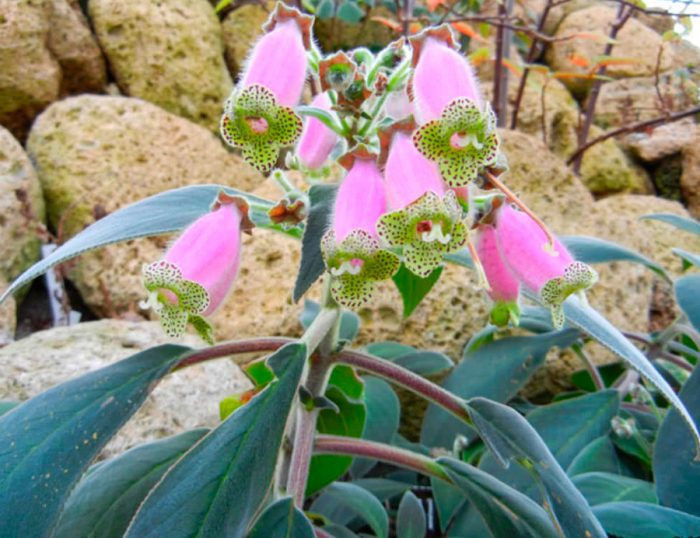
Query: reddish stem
(231, 348)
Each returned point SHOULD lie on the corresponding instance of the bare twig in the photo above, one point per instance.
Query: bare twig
(500, 75)
(631, 128)
(531, 55)
(622, 16)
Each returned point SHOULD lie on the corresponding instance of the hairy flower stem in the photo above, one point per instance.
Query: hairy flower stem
(518, 202)
(350, 446)
(235, 347)
(405, 378)
(322, 334)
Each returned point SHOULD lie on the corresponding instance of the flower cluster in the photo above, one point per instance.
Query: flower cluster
(417, 141)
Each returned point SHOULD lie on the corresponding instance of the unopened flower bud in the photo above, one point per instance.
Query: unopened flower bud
(504, 288)
(441, 74)
(198, 270)
(317, 140)
(553, 275)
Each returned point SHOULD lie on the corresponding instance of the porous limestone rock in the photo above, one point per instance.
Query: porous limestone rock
(21, 209)
(239, 30)
(625, 101)
(95, 154)
(605, 168)
(8, 317)
(182, 401)
(635, 43)
(662, 141)
(71, 42)
(168, 53)
(30, 77)
(690, 177)
(334, 34)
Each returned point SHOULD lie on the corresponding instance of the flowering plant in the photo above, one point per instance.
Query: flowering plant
(393, 170)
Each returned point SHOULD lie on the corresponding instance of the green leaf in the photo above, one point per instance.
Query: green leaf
(566, 428)
(608, 372)
(216, 488)
(687, 290)
(682, 223)
(6, 405)
(49, 441)
(348, 421)
(688, 258)
(506, 511)
(591, 322)
(151, 216)
(598, 455)
(643, 520)
(382, 488)
(497, 370)
(414, 288)
(346, 379)
(383, 413)
(325, 117)
(325, 10)
(600, 488)
(105, 500)
(594, 250)
(389, 350)
(676, 474)
(350, 12)
(569, 506)
(425, 363)
(321, 198)
(282, 520)
(341, 501)
(410, 519)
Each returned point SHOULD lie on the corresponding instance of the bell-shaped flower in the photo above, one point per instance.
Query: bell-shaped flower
(317, 141)
(198, 270)
(427, 228)
(278, 60)
(441, 74)
(258, 117)
(351, 251)
(408, 174)
(504, 287)
(463, 141)
(553, 274)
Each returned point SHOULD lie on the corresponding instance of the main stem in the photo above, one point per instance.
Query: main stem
(322, 334)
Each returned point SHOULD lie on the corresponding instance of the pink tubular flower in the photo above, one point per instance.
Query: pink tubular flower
(552, 275)
(278, 62)
(198, 270)
(408, 174)
(441, 75)
(317, 140)
(360, 200)
(504, 286)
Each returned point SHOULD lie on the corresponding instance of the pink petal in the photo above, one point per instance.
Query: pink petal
(522, 243)
(317, 140)
(278, 62)
(409, 175)
(360, 201)
(442, 74)
(504, 285)
(208, 252)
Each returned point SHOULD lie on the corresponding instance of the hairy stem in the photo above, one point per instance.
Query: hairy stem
(350, 446)
(405, 378)
(590, 366)
(235, 347)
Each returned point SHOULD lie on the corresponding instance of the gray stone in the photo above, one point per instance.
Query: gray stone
(182, 401)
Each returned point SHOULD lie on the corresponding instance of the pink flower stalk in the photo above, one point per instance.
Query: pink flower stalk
(317, 140)
(441, 75)
(208, 252)
(522, 244)
(408, 174)
(360, 201)
(278, 62)
(504, 286)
